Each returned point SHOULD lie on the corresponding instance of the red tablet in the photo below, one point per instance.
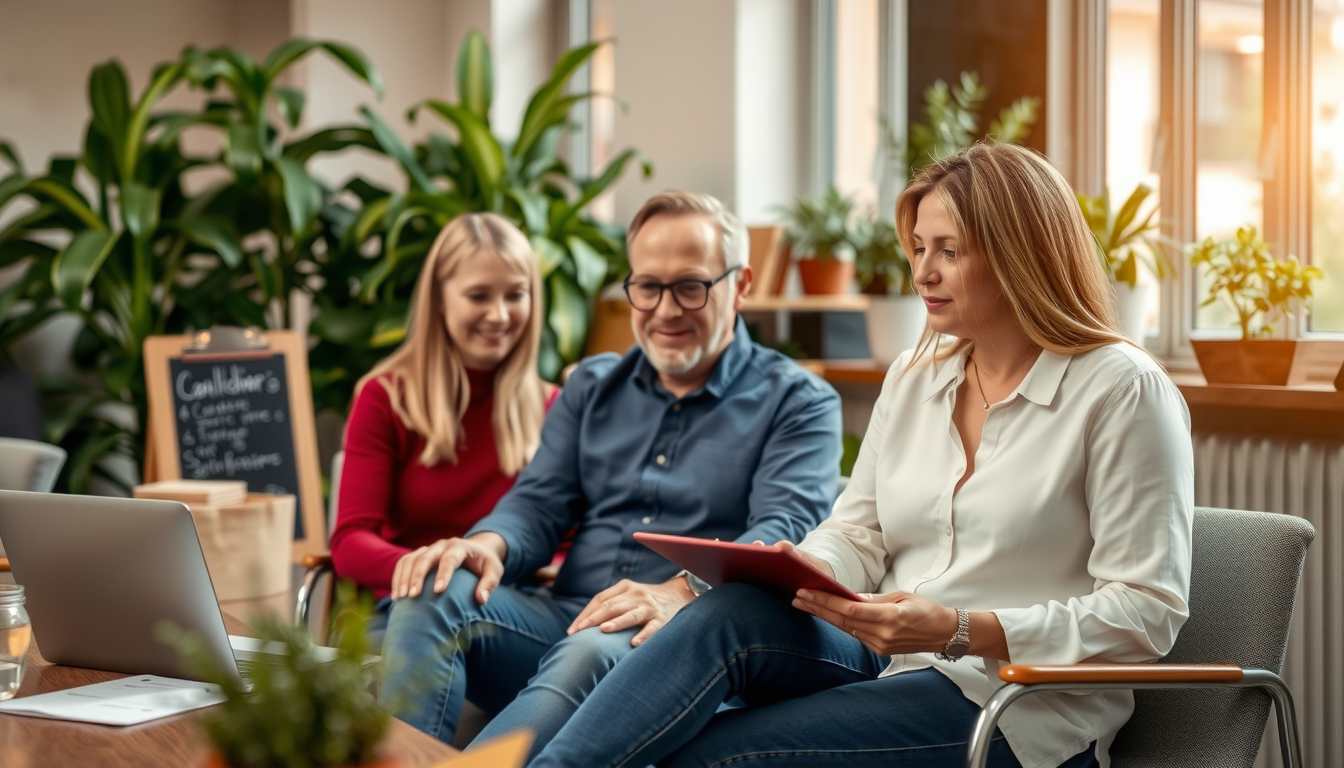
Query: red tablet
(773, 569)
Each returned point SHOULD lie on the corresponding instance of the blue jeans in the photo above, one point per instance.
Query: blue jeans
(511, 657)
(812, 694)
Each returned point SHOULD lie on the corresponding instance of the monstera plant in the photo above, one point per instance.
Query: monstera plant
(145, 253)
(471, 168)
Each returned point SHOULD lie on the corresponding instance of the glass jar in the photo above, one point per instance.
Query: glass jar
(16, 632)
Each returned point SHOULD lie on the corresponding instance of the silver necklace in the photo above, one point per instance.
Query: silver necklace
(978, 386)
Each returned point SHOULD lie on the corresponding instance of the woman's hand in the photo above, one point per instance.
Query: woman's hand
(812, 560)
(482, 554)
(890, 624)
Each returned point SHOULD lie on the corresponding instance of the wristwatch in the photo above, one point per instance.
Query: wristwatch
(960, 642)
(697, 586)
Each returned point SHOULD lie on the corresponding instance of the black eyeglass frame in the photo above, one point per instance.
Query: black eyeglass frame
(669, 287)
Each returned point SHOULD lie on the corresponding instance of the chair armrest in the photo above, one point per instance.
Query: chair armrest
(4, 565)
(1083, 674)
(316, 561)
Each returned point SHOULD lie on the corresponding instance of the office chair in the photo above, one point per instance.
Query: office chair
(318, 566)
(1206, 702)
(28, 465)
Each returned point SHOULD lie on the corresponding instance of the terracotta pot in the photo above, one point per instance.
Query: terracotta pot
(825, 277)
(610, 330)
(1257, 361)
(213, 760)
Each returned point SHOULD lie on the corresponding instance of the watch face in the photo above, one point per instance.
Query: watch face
(957, 649)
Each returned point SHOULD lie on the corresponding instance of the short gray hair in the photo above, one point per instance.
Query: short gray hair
(734, 245)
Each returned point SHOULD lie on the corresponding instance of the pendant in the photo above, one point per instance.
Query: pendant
(986, 407)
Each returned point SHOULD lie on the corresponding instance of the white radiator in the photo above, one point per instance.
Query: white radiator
(1303, 478)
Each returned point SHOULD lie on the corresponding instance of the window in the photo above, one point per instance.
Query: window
(1232, 110)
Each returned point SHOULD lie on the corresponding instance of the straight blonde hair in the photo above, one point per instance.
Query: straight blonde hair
(1013, 208)
(425, 378)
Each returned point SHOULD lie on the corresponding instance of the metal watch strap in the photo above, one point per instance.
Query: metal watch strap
(697, 586)
(961, 641)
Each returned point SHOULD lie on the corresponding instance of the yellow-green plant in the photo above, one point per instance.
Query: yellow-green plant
(1125, 238)
(1250, 281)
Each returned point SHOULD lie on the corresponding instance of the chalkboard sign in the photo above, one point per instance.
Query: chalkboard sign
(237, 415)
(233, 424)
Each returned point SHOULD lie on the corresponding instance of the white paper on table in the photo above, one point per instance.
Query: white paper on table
(128, 701)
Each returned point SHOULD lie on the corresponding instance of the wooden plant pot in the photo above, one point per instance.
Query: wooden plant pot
(213, 760)
(1256, 361)
(825, 277)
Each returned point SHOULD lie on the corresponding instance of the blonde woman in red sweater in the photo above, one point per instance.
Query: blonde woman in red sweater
(440, 429)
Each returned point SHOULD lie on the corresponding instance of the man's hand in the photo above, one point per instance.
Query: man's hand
(482, 554)
(890, 624)
(630, 604)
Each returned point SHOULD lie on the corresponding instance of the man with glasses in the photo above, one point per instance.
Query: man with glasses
(696, 431)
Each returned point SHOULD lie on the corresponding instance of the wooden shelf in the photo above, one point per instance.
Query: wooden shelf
(1307, 411)
(844, 303)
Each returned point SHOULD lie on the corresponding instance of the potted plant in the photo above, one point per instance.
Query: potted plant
(1125, 238)
(818, 229)
(896, 314)
(1258, 288)
(309, 711)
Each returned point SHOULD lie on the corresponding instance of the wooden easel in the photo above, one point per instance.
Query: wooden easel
(162, 452)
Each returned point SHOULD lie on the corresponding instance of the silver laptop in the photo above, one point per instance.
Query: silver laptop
(100, 573)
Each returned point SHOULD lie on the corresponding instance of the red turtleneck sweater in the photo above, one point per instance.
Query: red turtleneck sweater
(390, 504)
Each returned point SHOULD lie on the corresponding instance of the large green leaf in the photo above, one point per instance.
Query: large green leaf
(567, 315)
(594, 187)
(393, 145)
(550, 255)
(475, 76)
(13, 251)
(8, 153)
(165, 77)
(110, 102)
(535, 119)
(244, 151)
(77, 265)
(68, 198)
(99, 156)
(290, 102)
(591, 268)
(330, 140)
(303, 196)
(480, 148)
(351, 58)
(347, 326)
(140, 210)
(216, 234)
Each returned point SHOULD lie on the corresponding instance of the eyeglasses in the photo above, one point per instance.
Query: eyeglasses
(689, 294)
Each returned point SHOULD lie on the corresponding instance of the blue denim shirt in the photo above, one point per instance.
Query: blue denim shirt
(753, 454)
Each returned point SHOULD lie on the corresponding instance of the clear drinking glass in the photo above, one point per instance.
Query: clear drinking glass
(16, 632)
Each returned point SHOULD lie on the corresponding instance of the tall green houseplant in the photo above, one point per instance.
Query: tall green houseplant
(473, 168)
(148, 255)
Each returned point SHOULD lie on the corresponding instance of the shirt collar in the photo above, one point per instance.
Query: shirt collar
(729, 365)
(1039, 385)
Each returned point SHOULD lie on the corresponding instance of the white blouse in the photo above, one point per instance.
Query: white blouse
(1074, 528)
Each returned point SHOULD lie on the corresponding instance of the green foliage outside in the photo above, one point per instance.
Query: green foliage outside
(136, 236)
(952, 121)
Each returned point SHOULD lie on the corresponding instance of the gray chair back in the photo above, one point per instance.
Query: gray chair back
(28, 465)
(1243, 583)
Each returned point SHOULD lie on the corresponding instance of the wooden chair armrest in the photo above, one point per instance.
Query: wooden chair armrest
(1028, 674)
(317, 561)
(4, 565)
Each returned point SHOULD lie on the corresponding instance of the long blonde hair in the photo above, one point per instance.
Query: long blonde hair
(1013, 208)
(425, 378)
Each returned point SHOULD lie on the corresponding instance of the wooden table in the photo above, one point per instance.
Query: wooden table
(174, 742)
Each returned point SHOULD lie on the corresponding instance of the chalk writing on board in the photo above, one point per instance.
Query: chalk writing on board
(233, 423)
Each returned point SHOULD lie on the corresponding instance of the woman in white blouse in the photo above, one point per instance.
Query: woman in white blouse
(1023, 494)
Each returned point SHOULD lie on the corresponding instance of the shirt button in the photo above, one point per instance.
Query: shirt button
(661, 460)
(625, 569)
(676, 407)
(648, 519)
(948, 530)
